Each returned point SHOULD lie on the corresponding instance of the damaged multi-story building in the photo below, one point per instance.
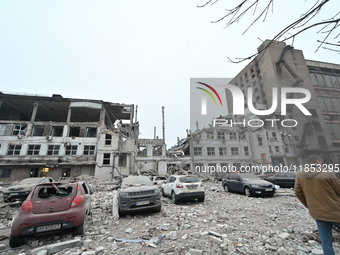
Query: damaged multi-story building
(151, 153)
(282, 66)
(65, 137)
(227, 148)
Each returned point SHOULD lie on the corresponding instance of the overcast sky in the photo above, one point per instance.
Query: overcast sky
(133, 51)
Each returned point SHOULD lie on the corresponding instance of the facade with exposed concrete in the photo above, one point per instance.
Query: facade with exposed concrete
(282, 66)
(64, 137)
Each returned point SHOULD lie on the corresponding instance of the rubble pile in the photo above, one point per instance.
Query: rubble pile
(226, 223)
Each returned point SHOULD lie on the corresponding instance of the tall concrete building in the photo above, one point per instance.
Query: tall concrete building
(283, 66)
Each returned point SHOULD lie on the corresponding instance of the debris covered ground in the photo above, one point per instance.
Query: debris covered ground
(226, 223)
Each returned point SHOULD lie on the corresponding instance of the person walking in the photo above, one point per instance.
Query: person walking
(318, 189)
(216, 177)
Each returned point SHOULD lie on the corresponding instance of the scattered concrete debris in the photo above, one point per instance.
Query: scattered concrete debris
(226, 223)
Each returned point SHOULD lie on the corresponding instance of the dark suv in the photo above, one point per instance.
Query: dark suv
(22, 189)
(137, 193)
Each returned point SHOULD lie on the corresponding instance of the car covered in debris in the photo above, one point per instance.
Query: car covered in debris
(158, 180)
(21, 190)
(183, 187)
(52, 207)
(248, 183)
(136, 194)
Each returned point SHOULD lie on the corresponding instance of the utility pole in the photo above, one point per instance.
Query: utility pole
(163, 125)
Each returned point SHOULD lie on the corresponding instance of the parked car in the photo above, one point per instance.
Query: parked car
(22, 189)
(284, 180)
(137, 193)
(158, 180)
(52, 207)
(247, 183)
(183, 187)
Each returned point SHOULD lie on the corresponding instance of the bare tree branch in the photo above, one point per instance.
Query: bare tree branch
(303, 23)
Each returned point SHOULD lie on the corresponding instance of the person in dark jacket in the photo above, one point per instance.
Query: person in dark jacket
(318, 189)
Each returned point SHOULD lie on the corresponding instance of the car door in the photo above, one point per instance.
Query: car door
(168, 185)
(232, 185)
(238, 183)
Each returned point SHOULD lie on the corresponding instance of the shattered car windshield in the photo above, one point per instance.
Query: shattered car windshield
(136, 180)
(247, 177)
(45, 192)
(189, 179)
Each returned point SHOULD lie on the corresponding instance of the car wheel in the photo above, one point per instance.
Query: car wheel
(201, 199)
(162, 191)
(80, 230)
(121, 213)
(226, 189)
(247, 191)
(16, 241)
(158, 209)
(174, 198)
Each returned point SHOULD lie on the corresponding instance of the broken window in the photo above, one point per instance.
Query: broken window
(220, 135)
(277, 149)
(6, 173)
(34, 172)
(66, 172)
(122, 160)
(237, 165)
(210, 134)
(259, 139)
(234, 151)
(19, 129)
(71, 150)
(106, 159)
(233, 136)
(212, 167)
(223, 151)
(270, 149)
(89, 149)
(198, 151)
(14, 149)
(108, 139)
(142, 151)
(274, 136)
(211, 151)
(47, 192)
(38, 131)
(246, 151)
(85, 114)
(33, 149)
(199, 167)
(74, 132)
(157, 150)
(53, 150)
(57, 130)
(91, 132)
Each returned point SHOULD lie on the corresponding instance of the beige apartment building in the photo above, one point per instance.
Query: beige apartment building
(282, 66)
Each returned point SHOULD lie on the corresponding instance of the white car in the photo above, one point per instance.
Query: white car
(183, 187)
(158, 180)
